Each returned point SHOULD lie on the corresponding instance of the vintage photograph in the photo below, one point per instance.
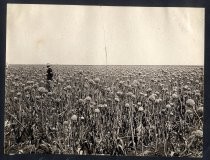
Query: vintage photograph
(104, 80)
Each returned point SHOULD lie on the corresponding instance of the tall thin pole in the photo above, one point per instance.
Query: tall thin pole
(105, 48)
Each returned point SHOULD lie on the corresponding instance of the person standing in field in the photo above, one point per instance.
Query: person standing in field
(49, 77)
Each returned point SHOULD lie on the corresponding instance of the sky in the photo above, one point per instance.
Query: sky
(77, 35)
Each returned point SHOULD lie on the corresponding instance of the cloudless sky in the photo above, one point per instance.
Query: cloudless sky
(65, 34)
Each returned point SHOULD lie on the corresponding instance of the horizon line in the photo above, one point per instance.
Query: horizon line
(111, 64)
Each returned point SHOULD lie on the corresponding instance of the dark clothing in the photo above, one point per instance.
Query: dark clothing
(49, 78)
(49, 74)
(48, 86)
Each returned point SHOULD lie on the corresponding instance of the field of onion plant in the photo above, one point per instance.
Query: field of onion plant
(105, 110)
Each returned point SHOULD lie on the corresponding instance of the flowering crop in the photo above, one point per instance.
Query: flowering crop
(113, 110)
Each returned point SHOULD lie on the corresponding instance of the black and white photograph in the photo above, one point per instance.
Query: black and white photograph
(104, 80)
